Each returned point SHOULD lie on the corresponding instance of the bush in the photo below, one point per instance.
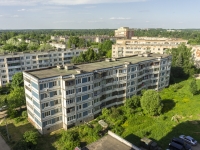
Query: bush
(24, 114)
(18, 119)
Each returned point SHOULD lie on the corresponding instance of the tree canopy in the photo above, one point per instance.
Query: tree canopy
(151, 103)
(17, 80)
(182, 62)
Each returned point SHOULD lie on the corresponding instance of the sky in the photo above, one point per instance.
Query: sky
(99, 14)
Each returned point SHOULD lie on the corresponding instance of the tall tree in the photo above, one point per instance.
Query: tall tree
(151, 103)
(17, 80)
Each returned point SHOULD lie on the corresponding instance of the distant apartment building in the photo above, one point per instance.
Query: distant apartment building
(11, 63)
(60, 38)
(58, 45)
(68, 95)
(124, 33)
(139, 45)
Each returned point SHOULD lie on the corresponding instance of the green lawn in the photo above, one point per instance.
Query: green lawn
(162, 129)
(179, 103)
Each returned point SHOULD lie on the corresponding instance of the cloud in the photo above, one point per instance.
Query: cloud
(119, 18)
(1, 15)
(88, 7)
(63, 2)
(21, 10)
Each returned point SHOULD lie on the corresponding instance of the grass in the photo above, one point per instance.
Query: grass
(178, 103)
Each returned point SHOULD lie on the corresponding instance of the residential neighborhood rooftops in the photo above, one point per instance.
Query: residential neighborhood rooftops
(89, 67)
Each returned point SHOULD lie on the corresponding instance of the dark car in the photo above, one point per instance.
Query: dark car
(181, 142)
(175, 146)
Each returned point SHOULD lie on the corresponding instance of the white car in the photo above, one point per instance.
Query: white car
(188, 139)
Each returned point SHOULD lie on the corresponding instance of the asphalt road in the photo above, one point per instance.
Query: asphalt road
(3, 145)
(196, 147)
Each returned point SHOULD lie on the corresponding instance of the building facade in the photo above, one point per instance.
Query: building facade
(11, 63)
(124, 33)
(64, 96)
(139, 45)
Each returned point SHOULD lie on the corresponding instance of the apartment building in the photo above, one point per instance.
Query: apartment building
(124, 33)
(11, 63)
(138, 45)
(64, 96)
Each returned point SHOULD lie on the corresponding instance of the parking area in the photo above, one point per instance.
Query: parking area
(196, 147)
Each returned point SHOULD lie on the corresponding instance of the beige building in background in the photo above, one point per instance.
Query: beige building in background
(139, 45)
(124, 33)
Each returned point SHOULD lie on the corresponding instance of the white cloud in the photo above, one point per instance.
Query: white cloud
(1, 15)
(21, 10)
(119, 18)
(90, 7)
(63, 2)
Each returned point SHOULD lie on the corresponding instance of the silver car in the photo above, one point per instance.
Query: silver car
(188, 139)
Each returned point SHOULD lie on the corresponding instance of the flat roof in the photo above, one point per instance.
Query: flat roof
(107, 143)
(89, 67)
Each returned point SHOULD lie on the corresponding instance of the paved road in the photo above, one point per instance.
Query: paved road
(196, 147)
(3, 145)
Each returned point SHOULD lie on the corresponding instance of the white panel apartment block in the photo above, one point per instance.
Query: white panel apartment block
(60, 98)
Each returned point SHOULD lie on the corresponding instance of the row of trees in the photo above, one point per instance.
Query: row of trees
(104, 50)
(182, 63)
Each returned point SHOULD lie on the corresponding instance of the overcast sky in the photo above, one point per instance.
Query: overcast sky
(99, 14)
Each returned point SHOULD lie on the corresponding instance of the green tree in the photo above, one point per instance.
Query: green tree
(193, 87)
(17, 80)
(151, 103)
(16, 98)
(109, 54)
(133, 102)
(69, 139)
(31, 138)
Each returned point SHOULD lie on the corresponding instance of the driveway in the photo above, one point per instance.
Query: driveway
(3, 145)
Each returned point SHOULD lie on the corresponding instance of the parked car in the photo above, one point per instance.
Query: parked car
(181, 142)
(188, 139)
(3, 108)
(149, 144)
(175, 146)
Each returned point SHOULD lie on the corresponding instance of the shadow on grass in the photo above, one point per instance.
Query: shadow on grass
(168, 105)
(190, 128)
(46, 141)
(133, 139)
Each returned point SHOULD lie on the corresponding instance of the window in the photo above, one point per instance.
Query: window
(54, 93)
(78, 81)
(84, 80)
(45, 105)
(70, 92)
(84, 88)
(70, 101)
(71, 118)
(79, 107)
(47, 114)
(78, 90)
